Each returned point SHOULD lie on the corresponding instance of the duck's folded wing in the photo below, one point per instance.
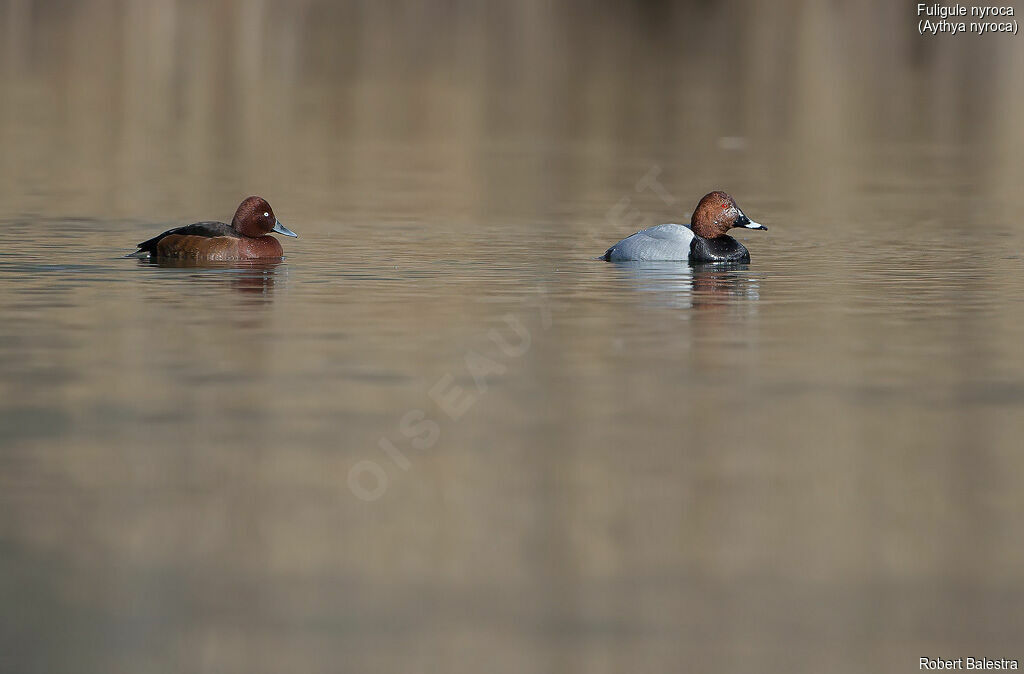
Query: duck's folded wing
(207, 229)
(664, 242)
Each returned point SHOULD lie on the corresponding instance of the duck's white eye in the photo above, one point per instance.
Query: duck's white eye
(266, 215)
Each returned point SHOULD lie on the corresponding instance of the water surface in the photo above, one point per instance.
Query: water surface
(808, 463)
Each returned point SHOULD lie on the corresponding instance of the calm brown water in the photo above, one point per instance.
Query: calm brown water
(811, 463)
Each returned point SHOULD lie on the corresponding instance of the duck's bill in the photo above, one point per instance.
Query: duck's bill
(281, 229)
(744, 221)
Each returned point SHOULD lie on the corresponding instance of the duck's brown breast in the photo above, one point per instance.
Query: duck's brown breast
(252, 248)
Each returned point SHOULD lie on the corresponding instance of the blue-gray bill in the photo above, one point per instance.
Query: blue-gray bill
(281, 229)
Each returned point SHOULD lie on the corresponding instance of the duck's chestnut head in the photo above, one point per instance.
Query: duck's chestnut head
(255, 217)
(716, 214)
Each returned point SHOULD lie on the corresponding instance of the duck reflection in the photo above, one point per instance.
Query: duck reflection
(709, 287)
(255, 280)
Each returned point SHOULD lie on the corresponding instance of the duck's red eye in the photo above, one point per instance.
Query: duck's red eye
(725, 206)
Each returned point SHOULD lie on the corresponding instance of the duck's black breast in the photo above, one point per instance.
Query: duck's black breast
(722, 249)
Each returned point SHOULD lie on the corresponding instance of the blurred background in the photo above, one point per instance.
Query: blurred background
(811, 463)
